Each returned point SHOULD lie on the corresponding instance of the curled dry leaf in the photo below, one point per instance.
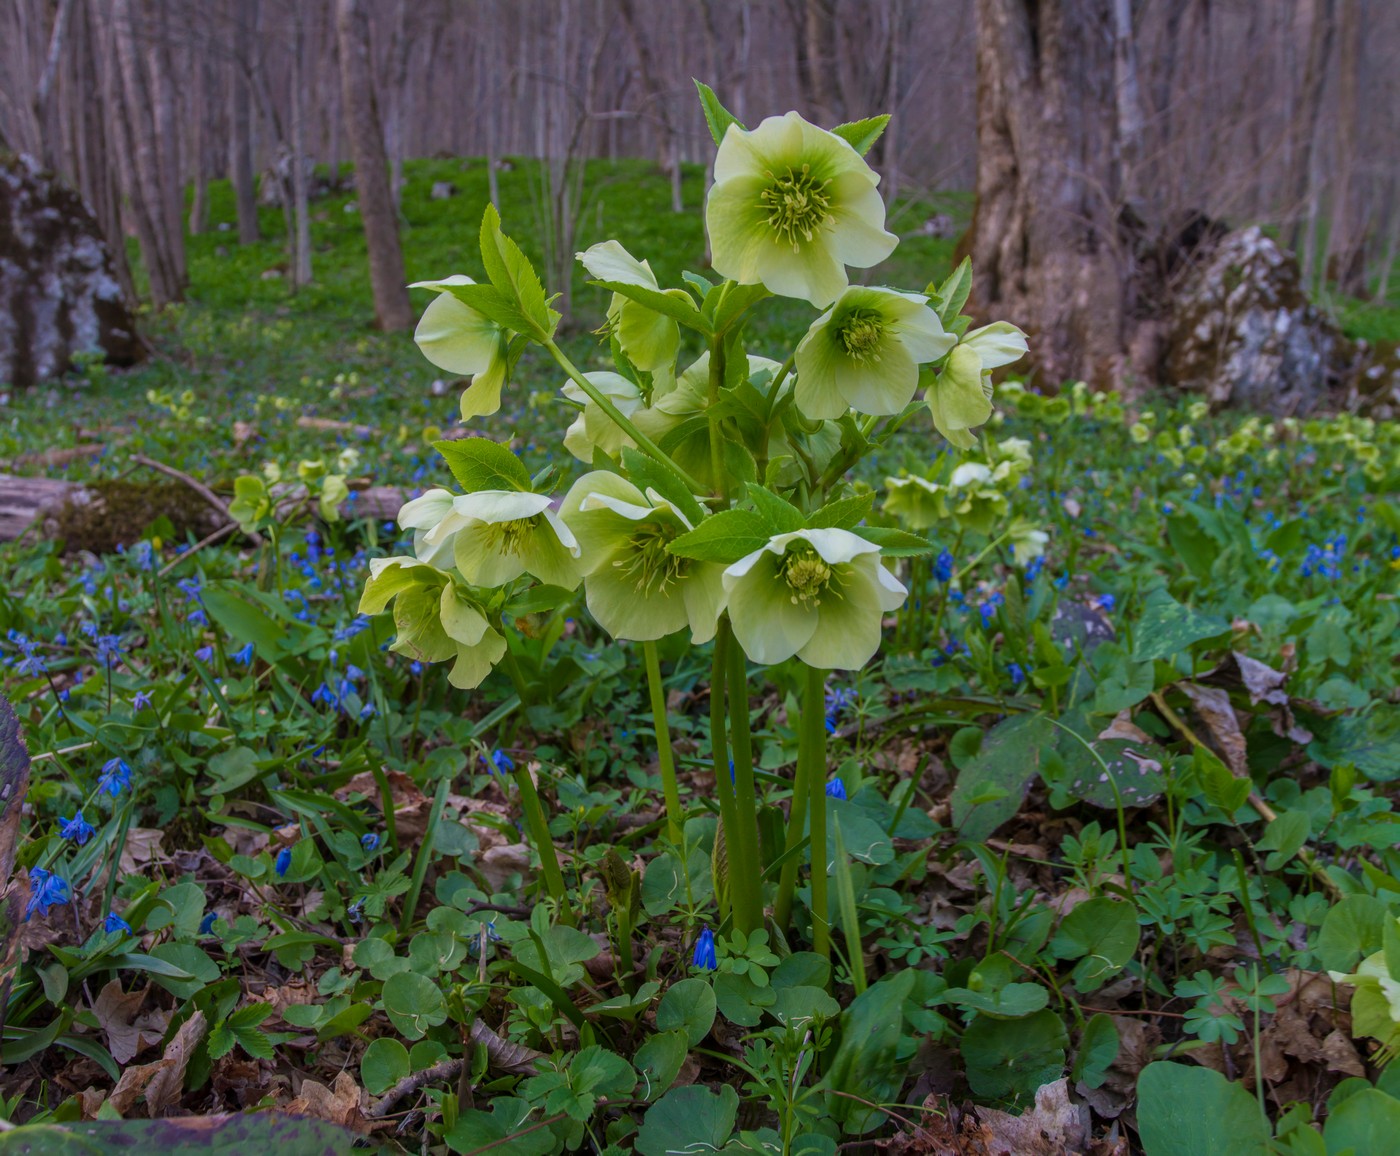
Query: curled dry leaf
(339, 1104)
(1212, 705)
(163, 1081)
(128, 1030)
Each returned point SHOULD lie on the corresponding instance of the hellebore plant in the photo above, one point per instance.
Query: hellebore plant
(716, 503)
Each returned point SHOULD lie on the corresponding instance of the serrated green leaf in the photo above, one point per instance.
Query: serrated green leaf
(842, 514)
(510, 272)
(717, 117)
(723, 537)
(782, 517)
(862, 134)
(952, 294)
(481, 464)
(896, 543)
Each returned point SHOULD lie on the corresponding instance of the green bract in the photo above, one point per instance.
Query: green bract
(916, 501)
(436, 617)
(864, 353)
(818, 594)
(455, 337)
(593, 429)
(792, 205)
(649, 339)
(635, 587)
(961, 398)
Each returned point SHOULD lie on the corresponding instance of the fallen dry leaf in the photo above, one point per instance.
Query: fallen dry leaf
(141, 850)
(1212, 705)
(128, 1033)
(167, 1084)
(340, 1105)
(1052, 1127)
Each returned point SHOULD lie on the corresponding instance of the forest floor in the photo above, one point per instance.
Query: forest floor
(1110, 814)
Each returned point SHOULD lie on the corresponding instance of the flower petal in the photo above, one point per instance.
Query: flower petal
(768, 622)
(456, 338)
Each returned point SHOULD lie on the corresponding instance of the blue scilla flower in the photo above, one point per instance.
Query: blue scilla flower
(324, 696)
(115, 922)
(1034, 567)
(359, 623)
(704, 957)
(198, 618)
(46, 890)
(77, 828)
(284, 860)
(243, 655)
(115, 777)
(206, 925)
(502, 763)
(109, 648)
(943, 566)
(204, 654)
(1107, 601)
(141, 702)
(370, 841)
(191, 588)
(1018, 675)
(836, 789)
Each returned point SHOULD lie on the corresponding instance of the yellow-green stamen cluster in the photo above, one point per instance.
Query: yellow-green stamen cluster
(648, 562)
(509, 537)
(807, 575)
(862, 333)
(797, 204)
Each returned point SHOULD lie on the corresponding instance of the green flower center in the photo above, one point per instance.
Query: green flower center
(509, 537)
(807, 576)
(647, 562)
(797, 204)
(861, 334)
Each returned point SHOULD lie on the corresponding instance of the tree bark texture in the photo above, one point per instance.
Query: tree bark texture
(391, 305)
(1043, 238)
(244, 15)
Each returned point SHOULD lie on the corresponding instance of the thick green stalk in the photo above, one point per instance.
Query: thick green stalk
(675, 818)
(797, 822)
(814, 724)
(603, 402)
(742, 840)
(719, 755)
(712, 414)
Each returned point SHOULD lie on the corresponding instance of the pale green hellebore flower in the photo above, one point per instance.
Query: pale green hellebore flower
(819, 594)
(792, 205)
(1375, 1001)
(864, 353)
(495, 536)
(455, 337)
(917, 502)
(593, 428)
(1027, 542)
(635, 587)
(961, 398)
(437, 619)
(421, 515)
(973, 498)
(649, 339)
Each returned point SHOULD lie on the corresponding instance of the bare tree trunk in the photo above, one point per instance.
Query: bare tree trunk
(301, 240)
(48, 132)
(1044, 227)
(1306, 120)
(240, 121)
(1127, 100)
(198, 128)
(161, 78)
(391, 305)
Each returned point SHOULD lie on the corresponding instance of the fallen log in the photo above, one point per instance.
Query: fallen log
(35, 502)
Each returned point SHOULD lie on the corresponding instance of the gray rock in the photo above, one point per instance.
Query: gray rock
(1242, 331)
(58, 294)
(442, 190)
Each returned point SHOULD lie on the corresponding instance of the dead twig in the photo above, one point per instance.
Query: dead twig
(197, 486)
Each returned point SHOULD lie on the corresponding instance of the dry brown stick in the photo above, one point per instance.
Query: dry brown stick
(221, 532)
(502, 1054)
(197, 486)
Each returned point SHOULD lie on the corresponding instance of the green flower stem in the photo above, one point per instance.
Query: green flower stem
(814, 724)
(733, 880)
(742, 840)
(797, 822)
(603, 402)
(712, 415)
(675, 818)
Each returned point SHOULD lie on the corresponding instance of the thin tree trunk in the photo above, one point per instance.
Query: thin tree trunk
(1306, 119)
(301, 241)
(47, 125)
(240, 121)
(1044, 225)
(392, 309)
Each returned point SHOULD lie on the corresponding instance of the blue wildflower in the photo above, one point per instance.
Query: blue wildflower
(109, 648)
(1107, 602)
(360, 622)
(115, 777)
(77, 828)
(141, 702)
(502, 762)
(204, 654)
(370, 841)
(243, 655)
(284, 860)
(943, 566)
(115, 922)
(324, 696)
(198, 618)
(1034, 567)
(836, 789)
(206, 925)
(1018, 676)
(704, 957)
(46, 890)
